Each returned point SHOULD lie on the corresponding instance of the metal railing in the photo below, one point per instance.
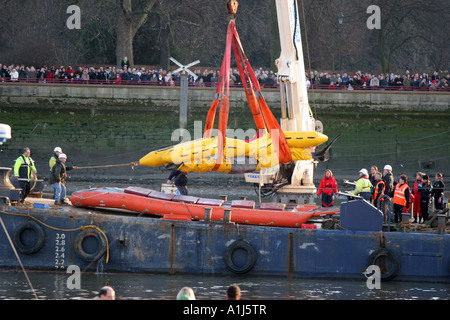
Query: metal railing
(162, 83)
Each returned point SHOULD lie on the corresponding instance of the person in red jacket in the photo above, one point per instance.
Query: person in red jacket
(416, 193)
(327, 188)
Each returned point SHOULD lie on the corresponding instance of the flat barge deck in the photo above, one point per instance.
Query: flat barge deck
(53, 238)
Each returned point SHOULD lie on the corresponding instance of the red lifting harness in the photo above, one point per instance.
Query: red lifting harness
(264, 118)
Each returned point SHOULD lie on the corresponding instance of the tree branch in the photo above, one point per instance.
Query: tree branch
(143, 16)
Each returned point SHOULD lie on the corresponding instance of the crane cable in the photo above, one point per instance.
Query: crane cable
(309, 58)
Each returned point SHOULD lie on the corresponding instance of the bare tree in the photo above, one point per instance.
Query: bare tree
(131, 15)
(404, 23)
(412, 36)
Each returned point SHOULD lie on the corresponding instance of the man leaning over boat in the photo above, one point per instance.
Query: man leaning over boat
(180, 181)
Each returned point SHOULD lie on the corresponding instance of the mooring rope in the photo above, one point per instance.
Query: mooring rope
(18, 258)
(131, 164)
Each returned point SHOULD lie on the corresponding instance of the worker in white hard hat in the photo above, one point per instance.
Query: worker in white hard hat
(57, 179)
(388, 179)
(363, 185)
(56, 152)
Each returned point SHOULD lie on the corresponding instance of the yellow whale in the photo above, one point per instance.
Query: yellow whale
(239, 156)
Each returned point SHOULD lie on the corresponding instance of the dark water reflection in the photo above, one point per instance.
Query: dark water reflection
(53, 286)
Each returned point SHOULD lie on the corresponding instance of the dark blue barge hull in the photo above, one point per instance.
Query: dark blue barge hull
(53, 239)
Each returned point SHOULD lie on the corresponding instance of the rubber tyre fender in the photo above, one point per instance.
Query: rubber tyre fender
(78, 245)
(392, 261)
(40, 235)
(250, 261)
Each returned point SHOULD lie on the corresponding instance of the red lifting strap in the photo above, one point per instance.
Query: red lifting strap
(264, 118)
(282, 148)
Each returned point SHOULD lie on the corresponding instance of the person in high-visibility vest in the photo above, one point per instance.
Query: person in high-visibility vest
(56, 152)
(363, 185)
(23, 167)
(401, 197)
(55, 156)
(378, 190)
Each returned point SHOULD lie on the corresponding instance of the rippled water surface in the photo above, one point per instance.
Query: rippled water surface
(53, 286)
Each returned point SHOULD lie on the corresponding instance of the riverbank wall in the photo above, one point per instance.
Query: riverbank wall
(201, 97)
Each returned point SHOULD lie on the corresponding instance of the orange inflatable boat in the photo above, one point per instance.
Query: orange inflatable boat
(188, 208)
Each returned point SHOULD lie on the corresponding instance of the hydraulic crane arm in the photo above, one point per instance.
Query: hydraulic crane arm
(296, 113)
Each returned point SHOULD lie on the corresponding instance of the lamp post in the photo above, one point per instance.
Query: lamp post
(340, 21)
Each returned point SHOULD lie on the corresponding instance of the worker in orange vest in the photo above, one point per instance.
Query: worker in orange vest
(401, 197)
(379, 186)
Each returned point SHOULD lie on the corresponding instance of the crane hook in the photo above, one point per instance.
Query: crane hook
(232, 6)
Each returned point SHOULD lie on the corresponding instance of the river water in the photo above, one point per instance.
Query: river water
(53, 286)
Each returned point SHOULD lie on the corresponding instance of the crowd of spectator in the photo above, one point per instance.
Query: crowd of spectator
(361, 80)
(208, 77)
